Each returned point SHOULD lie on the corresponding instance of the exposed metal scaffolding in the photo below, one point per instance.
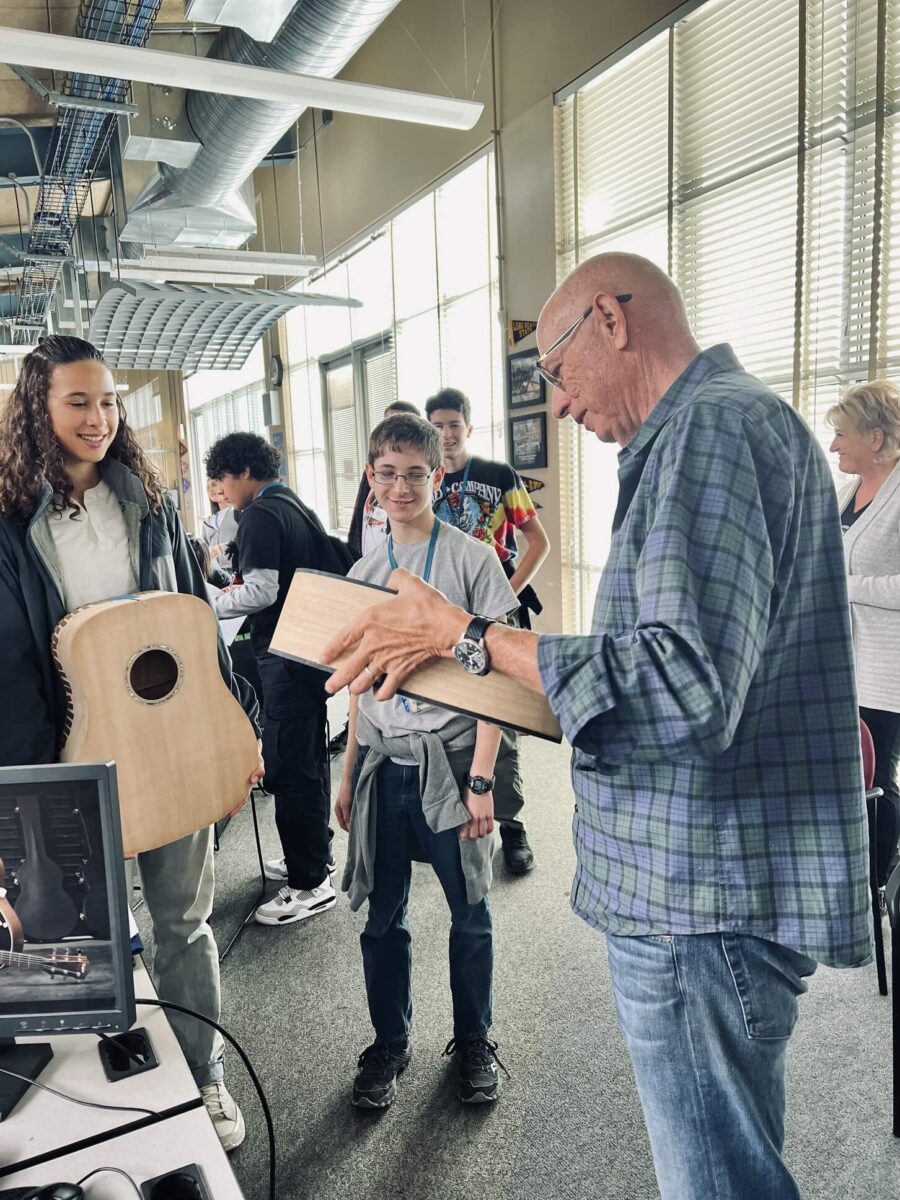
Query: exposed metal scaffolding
(79, 141)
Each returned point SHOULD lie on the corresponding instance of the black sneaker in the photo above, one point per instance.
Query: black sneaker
(517, 852)
(375, 1085)
(476, 1064)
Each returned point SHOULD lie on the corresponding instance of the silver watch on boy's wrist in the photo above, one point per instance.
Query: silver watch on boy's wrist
(470, 651)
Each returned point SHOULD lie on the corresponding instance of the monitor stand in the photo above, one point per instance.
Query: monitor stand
(27, 1059)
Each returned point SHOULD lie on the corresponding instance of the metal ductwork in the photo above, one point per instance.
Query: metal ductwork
(186, 205)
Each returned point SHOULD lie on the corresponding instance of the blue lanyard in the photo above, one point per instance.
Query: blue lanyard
(429, 558)
(457, 516)
(262, 491)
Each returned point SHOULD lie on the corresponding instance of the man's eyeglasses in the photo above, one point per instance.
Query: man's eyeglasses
(413, 479)
(553, 377)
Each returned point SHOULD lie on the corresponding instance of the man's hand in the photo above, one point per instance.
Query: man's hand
(392, 640)
(481, 816)
(343, 805)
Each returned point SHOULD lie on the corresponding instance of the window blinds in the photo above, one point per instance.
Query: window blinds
(754, 150)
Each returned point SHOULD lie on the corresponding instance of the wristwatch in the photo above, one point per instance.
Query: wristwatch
(479, 784)
(470, 651)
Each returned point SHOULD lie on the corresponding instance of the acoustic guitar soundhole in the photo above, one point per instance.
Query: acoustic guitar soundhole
(154, 675)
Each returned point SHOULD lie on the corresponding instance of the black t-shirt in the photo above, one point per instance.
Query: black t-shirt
(274, 535)
(849, 517)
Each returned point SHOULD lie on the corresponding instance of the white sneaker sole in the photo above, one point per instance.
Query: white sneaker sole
(301, 915)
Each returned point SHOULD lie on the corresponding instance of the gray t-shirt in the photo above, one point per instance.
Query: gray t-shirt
(469, 574)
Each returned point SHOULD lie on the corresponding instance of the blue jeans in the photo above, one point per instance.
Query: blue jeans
(386, 944)
(706, 1019)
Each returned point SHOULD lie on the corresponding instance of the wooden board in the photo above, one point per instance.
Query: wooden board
(318, 606)
(145, 690)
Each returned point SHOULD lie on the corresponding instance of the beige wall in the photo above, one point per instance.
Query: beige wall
(368, 168)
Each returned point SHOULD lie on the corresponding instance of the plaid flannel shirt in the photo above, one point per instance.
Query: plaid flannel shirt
(712, 710)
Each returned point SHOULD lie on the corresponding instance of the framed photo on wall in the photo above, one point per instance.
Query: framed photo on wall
(528, 442)
(524, 385)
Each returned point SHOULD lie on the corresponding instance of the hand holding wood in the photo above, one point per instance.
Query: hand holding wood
(391, 640)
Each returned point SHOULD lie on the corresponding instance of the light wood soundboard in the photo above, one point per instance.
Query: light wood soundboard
(145, 690)
(319, 605)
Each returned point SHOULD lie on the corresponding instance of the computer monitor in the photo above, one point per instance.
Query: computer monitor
(65, 954)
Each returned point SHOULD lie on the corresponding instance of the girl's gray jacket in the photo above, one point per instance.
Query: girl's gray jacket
(32, 700)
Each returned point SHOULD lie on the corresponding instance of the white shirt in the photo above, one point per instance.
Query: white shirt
(92, 548)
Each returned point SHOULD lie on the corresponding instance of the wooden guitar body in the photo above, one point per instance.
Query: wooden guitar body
(144, 689)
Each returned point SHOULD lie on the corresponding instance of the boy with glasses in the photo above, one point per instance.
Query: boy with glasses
(488, 501)
(420, 783)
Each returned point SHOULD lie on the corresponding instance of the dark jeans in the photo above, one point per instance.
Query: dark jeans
(401, 829)
(885, 730)
(508, 796)
(295, 753)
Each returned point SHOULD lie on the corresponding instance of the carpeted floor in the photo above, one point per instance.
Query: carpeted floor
(568, 1125)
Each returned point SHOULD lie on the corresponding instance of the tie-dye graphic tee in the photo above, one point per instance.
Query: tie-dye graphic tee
(495, 505)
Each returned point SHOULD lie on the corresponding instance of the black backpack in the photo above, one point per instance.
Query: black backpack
(333, 555)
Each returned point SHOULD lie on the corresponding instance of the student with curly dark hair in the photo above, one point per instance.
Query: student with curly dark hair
(277, 533)
(83, 517)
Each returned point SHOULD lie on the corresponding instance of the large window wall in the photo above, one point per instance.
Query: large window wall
(754, 152)
(221, 402)
(428, 284)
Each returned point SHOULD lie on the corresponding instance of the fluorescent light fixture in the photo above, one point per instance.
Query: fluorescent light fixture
(122, 387)
(6, 387)
(54, 52)
(9, 350)
(266, 262)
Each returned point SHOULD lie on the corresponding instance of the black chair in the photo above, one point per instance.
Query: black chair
(892, 899)
(873, 794)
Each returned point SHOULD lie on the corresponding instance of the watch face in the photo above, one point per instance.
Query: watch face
(470, 656)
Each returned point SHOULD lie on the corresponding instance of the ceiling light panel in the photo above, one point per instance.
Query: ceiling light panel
(53, 52)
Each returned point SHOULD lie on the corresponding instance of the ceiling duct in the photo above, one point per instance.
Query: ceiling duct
(199, 205)
(181, 327)
(261, 21)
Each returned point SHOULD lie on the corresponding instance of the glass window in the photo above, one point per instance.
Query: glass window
(688, 151)
(428, 285)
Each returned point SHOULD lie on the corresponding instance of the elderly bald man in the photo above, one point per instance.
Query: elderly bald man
(719, 827)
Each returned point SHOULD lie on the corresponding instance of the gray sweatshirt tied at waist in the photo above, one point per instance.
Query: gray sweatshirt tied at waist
(439, 782)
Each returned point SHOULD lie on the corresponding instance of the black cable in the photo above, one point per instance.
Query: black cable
(250, 1071)
(114, 1041)
(114, 1171)
(148, 1112)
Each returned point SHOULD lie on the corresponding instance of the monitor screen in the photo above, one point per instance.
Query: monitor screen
(65, 956)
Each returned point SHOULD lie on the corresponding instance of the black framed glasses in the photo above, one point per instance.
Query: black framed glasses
(413, 479)
(553, 377)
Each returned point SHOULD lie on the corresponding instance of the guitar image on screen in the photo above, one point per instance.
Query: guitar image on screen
(11, 936)
(57, 962)
(46, 910)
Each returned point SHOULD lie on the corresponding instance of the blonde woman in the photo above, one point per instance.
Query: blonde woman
(866, 426)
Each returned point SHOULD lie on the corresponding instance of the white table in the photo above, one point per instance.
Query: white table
(143, 1154)
(46, 1139)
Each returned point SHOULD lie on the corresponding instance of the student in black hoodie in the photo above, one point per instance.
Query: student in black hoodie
(277, 533)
